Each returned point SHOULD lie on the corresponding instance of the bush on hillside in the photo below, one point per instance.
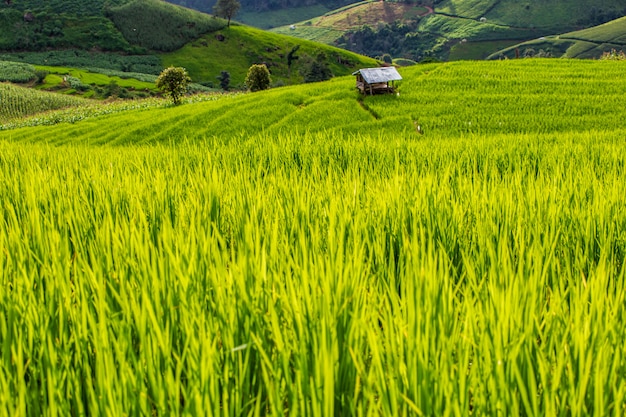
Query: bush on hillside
(613, 55)
(316, 69)
(224, 79)
(226, 9)
(174, 81)
(258, 78)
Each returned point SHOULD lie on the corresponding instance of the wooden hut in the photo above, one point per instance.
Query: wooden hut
(376, 80)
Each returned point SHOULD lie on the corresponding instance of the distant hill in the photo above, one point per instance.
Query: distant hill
(586, 43)
(452, 29)
(144, 36)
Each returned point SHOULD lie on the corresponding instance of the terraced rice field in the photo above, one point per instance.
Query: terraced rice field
(306, 252)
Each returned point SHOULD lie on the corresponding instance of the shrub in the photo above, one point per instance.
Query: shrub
(316, 69)
(224, 79)
(613, 56)
(173, 81)
(258, 78)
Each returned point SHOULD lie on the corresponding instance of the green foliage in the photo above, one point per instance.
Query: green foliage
(316, 69)
(70, 7)
(587, 43)
(146, 64)
(174, 82)
(268, 19)
(160, 26)
(447, 100)
(258, 78)
(17, 72)
(286, 251)
(48, 30)
(19, 102)
(613, 55)
(224, 79)
(226, 9)
(240, 47)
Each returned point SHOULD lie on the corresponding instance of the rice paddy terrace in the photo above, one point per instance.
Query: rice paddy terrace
(306, 251)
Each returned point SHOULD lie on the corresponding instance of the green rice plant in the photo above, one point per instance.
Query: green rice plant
(304, 251)
(315, 274)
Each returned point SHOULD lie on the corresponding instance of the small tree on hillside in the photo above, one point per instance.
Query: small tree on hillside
(258, 78)
(316, 69)
(173, 81)
(226, 9)
(224, 79)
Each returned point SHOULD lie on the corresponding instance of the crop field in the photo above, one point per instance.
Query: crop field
(18, 102)
(317, 256)
(330, 26)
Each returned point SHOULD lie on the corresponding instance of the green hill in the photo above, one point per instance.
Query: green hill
(236, 48)
(586, 43)
(144, 36)
(454, 30)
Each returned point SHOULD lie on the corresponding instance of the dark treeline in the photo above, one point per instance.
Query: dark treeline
(397, 39)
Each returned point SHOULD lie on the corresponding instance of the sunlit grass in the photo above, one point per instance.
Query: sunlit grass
(175, 260)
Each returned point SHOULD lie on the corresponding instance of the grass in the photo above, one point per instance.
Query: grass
(477, 50)
(448, 100)
(161, 26)
(303, 257)
(91, 78)
(243, 46)
(276, 18)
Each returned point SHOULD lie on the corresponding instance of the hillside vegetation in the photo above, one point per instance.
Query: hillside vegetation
(454, 30)
(305, 251)
(586, 43)
(235, 49)
(18, 102)
(155, 34)
(448, 100)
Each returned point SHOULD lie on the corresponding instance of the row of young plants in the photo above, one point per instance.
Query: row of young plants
(19, 72)
(19, 102)
(77, 110)
(315, 274)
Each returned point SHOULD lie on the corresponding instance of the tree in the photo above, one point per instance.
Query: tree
(316, 69)
(226, 9)
(258, 78)
(173, 81)
(224, 78)
(291, 56)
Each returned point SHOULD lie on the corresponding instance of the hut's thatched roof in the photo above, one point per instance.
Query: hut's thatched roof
(379, 75)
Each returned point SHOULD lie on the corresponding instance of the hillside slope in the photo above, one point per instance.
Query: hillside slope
(586, 43)
(445, 100)
(148, 35)
(451, 29)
